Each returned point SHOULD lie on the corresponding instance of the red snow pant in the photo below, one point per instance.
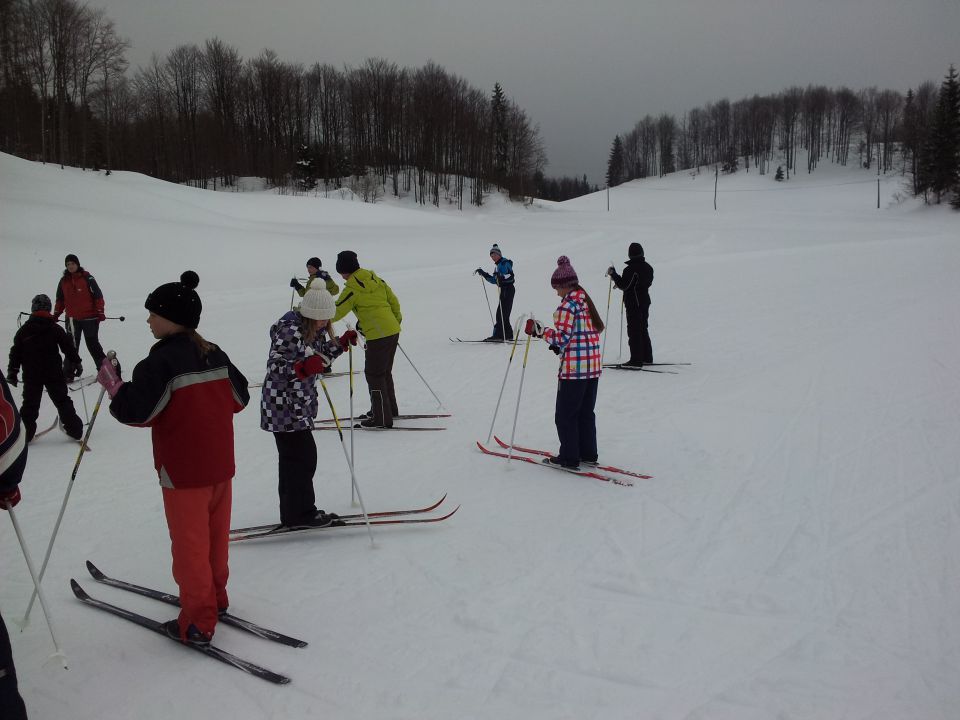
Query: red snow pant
(199, 524)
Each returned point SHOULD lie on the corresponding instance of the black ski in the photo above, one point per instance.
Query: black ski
(226, 617)
(424, 416)
(157, 627)
(621, 366)
(488, 342)
(81, 383)
(282, 530)
(352, 516)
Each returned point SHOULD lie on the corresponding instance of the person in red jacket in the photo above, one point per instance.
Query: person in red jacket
(13, 460)
(79, 295)
(187, 391)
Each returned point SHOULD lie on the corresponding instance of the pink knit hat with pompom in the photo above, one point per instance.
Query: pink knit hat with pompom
(564, 275)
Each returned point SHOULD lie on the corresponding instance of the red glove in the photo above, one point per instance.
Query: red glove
(533, 328)
(101, 317)
(313, 365)
(347, 339)
(10, 498)
(108, 377)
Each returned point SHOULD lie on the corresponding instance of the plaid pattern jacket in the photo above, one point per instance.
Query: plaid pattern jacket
(288, 403)
(575, 339)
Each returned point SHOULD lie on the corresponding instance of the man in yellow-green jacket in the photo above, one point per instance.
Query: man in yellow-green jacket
(378, 320)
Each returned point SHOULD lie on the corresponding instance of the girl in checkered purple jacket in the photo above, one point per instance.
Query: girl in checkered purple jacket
(575, 337)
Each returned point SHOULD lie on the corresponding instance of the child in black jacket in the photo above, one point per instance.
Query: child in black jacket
(36, 348)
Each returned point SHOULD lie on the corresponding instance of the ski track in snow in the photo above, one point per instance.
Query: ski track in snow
(793, 556)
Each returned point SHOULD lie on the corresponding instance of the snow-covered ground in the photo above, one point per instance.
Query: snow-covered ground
(795, 556)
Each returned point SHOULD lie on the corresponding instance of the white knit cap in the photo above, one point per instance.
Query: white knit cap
(318, 304)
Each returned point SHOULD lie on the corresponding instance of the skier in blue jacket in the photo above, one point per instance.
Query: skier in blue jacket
(503, 278)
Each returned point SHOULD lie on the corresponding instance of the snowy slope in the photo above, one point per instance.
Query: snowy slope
(794, 556)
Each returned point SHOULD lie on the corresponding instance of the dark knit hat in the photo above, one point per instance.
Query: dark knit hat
(71, 258)
(41, 302)
(564, 275)
(178, 302)
(347, 262)
(314, 262)
(496, 249)
(635, 251)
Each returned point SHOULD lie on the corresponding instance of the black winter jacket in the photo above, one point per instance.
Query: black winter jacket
(37, 347)
(635, 282)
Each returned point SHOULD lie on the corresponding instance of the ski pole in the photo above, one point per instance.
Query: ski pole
(439, 403)
(58, 653)
(353, 500)
(343, 443)
(513, 350)
(111, 355)
(516, 412)
(606, 319)
(483, 284)
(121, 318)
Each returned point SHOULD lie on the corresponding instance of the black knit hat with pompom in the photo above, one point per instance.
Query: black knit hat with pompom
(178, 302)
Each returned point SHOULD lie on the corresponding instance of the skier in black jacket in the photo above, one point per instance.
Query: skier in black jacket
(36, 348)
(635, 282)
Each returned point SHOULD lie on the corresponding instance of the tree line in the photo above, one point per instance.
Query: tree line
(204, 115)
(917, 133)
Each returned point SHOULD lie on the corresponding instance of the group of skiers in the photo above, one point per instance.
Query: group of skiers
(187, 391)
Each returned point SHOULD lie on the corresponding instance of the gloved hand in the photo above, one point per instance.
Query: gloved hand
(12, 378)
(313, 365)
(323, 275)
(533, 327)
(10, 498)
(56, 316)
(109, 378)
(347, 339)
(554, 349)
(101, 316)
(78, 370)
(611, 270)
(478, 271)
(295, 284)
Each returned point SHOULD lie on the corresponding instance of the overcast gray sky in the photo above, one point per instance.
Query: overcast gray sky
(584, 70)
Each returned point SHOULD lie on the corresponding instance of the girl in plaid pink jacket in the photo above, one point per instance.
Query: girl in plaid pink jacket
(575, 337)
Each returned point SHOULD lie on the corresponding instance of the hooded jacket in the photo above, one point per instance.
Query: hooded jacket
(287, 403)
(78, 294)
(36, 348)
(373, 302)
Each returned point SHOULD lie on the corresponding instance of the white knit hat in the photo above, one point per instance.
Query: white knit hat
(318, 304)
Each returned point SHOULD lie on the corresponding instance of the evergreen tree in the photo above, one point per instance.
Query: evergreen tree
(304, 170)
(779, 176)
(941, 167)
(498, 125)
(615, 163)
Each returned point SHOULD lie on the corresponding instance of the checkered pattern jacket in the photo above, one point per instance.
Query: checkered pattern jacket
(575, 339)
(288, 403)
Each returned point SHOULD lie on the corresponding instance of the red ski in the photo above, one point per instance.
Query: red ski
(545, 453)
(584, 473)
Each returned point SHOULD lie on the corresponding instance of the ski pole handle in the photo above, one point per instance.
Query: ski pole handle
(121, 318)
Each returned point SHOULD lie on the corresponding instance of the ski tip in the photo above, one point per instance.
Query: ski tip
(95, 571)
(77, 590)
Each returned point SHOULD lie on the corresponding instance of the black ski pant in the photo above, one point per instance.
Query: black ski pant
(297, 464)
(11, 704)
(503, 330)
(57, 390)
(90, 329)
(575, 420)
(638, 334)
(378, 370)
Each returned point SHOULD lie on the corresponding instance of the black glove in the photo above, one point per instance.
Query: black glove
(78, 370)
(554, 349)
(294, 283)
(479, 271)
(611, 270)
(323, 275)
(12, 378)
